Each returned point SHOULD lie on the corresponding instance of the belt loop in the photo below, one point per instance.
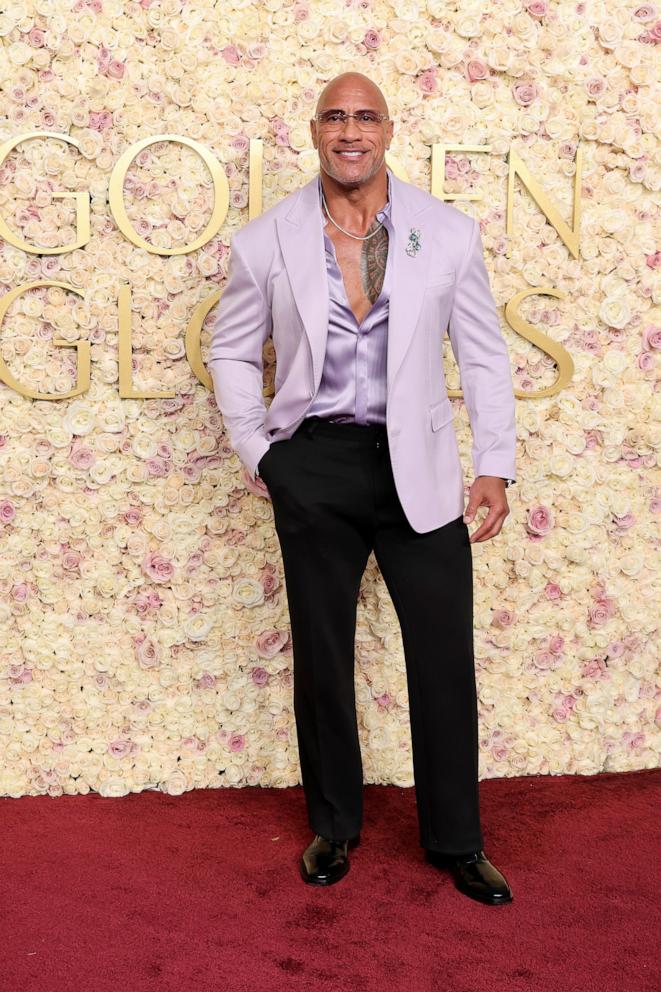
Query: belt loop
(310, 423)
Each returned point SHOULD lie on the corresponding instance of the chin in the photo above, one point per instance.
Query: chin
(348, 174)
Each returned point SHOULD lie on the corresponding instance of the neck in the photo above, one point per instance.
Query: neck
(355, 207)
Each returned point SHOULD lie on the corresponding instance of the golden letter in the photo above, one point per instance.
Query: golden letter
(255, 177)
(553, 348)
(194, 335)
(82, 205)
(83, 347)
(570, 235)
(221, 200)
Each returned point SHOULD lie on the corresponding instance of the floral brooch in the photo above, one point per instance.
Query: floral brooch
(414, 244)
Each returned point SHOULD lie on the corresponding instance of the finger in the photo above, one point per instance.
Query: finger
(489, 527)
(471, 510)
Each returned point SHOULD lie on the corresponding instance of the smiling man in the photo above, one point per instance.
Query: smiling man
(357, 276)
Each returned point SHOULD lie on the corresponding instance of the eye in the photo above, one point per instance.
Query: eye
(369, 117)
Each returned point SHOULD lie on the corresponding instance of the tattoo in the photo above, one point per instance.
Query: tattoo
(373, 258)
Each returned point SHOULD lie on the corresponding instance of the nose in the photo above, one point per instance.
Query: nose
(350, 128)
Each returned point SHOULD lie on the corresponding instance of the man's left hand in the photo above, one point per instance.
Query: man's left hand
(487, 490)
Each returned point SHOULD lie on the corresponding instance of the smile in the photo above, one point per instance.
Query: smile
(350, 155)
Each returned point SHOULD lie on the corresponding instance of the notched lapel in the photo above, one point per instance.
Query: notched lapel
(409, 275)
(300, 234)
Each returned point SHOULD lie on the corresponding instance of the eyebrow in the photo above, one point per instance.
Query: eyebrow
(338, 110)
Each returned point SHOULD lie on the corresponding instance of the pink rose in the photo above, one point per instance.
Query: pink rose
(158, 468)
(146, 652)
(524, 92)
(545, 660)
(651, 337)
(82, 457)
(71, 560)
(537, 8)
(372, 39)
(427, 81)
(503, 618)
(624, 522)
(646, 12)
(540, 521)
(552, 590)
(237, 742)
(231, 54)
(240, 143)
(120, 748)
(100, 120)
(36, 38)
(600, 612)
(259, 676)
(7, 511)
(115, 69)
(595, 668)
(595, 86)
(476, 69)
(157, 567)
(270, 642)
(20, 592)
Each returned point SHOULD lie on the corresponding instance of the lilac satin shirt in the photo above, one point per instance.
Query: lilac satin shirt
(353, 379)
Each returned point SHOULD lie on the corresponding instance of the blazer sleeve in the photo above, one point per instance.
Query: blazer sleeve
(242, 325)
(484, 366)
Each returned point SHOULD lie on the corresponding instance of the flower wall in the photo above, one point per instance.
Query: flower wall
(143, 615)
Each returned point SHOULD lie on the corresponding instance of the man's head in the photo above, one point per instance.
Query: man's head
(349, 154)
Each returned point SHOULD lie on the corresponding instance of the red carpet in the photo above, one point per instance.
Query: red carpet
(201, 892)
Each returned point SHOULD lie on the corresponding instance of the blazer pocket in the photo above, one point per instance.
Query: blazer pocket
(441, 413)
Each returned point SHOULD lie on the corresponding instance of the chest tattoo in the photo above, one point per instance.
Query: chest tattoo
(373, 258)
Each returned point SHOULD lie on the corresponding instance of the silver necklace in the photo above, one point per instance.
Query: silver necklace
(356, 237)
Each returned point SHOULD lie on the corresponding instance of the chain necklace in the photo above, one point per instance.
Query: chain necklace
(356, 237)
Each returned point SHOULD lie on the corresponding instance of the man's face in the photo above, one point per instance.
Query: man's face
(347, 154)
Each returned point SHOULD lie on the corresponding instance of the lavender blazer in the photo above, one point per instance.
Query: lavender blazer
(278, 285)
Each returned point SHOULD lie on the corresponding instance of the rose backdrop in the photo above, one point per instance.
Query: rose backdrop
(145, 639)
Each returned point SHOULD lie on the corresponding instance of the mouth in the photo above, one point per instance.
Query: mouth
(352, 155)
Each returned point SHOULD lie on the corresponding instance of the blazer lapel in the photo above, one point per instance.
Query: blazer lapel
(301, 238)
(409, 273)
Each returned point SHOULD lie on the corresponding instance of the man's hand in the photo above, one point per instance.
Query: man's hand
(487, 490)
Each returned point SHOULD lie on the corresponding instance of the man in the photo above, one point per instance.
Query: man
(356, 276)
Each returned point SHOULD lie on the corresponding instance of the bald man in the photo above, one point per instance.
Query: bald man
(356, 276)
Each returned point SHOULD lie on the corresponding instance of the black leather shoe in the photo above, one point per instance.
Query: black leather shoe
(474, 875)
(326, 861)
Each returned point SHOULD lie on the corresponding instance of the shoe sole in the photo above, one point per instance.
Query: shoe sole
(488, 900)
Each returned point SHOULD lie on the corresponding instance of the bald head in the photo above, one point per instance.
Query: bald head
(354, 85)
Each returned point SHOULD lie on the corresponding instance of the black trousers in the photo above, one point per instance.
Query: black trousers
(334, 500)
